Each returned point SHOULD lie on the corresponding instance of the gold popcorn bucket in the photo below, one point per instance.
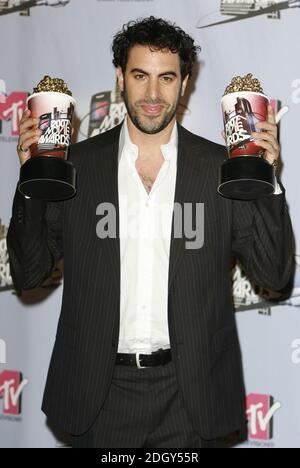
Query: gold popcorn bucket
(47, 174)
(245, 175)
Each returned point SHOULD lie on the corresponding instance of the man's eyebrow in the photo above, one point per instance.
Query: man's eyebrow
(140, 70)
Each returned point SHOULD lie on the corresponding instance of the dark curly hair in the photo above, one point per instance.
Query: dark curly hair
(158, 34)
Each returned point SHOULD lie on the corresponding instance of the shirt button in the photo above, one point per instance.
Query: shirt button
(144, 307)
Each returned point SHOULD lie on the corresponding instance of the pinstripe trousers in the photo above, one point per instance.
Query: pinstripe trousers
(143, 409)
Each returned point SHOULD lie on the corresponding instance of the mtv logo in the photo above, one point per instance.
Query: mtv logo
(11, 388)
(260, 411)
(12, 110)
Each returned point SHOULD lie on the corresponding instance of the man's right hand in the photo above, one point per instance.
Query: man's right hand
(29, 134)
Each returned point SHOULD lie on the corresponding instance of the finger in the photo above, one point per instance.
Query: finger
(270, 158)
(267, 136)
(271, 115)
(28, 124)
(267, 146)
(275, 150)
(29, 134)
(27, 120)
(25, 144)
(25, 116)
(267, 126)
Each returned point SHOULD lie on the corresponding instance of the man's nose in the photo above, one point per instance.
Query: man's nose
(153, 89)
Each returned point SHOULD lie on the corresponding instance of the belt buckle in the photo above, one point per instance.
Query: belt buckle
(137, 357)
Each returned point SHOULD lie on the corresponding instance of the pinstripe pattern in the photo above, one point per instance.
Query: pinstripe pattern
(203, 334)
(142, 409)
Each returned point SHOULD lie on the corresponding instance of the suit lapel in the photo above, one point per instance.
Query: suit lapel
(192, 174)
(104, 189)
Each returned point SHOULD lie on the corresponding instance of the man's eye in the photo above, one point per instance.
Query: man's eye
(139, 77)
(167, 79)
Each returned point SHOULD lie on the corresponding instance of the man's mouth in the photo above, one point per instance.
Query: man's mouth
(152, 109)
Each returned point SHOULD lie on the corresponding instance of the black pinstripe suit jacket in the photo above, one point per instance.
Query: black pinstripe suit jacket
(202, 327)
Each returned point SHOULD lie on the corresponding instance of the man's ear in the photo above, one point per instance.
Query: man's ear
(184, 84)
(120, 78)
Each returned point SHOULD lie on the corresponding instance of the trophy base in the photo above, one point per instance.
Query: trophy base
(47, 178)
(246, 178)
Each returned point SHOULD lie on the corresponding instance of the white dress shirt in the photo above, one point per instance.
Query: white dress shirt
(145, 234)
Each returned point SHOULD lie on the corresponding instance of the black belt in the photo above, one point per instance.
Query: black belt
(157, 358)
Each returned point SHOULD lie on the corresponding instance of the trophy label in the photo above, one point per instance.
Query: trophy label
(55, 113)
(241, 112)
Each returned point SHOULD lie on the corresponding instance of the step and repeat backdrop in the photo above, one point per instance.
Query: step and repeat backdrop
(71, 39)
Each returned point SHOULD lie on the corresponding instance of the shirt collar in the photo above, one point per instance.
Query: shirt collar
(168, 150)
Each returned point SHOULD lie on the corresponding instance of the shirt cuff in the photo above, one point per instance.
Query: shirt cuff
(277, 190)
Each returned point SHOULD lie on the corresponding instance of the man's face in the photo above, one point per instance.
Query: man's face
(152, 87)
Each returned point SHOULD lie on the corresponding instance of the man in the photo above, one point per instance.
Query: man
(147, 352)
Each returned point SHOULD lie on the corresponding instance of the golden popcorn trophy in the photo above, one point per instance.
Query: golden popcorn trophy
(47, 174)
(245, 175)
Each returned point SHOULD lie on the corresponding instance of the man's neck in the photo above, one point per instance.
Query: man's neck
(145, 141)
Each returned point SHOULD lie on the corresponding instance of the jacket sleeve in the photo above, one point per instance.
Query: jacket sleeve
(262, 239)
(34, 240)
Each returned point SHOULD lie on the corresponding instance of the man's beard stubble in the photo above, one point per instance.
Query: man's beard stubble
(153, 127)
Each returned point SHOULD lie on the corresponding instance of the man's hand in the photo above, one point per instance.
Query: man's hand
(29, 134)
(267, 139)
